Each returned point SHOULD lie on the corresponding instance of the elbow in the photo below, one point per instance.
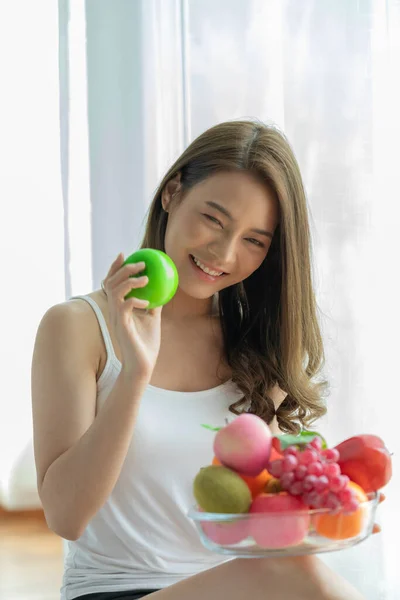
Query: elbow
(61, 521)
(63, 526)
(71, 536)
(64, 530)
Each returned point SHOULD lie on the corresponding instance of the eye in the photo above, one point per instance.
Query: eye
(213, 219)
(256, 243)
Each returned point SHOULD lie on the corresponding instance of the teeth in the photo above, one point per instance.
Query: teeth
(206, 269)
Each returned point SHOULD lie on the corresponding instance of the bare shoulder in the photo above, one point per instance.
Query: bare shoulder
(75, 313)
(70, 326)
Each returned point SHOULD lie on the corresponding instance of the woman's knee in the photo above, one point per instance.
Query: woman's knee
(300, 577)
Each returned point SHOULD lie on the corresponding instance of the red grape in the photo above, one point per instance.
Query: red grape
(290, 450)
(286, 480)
(290, 462)
(308, 456)
(296, 488)
(332, 501)
(331, 470)
(315, 468)
(309, 482)
(331, 455)
(314, 475)
(301, 472)
(275, 468)
(345, 495)
(336, 483)
(316, 443)
(322, 483)
(351, 506)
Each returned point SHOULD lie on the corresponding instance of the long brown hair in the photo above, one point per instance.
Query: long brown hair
(269, 321)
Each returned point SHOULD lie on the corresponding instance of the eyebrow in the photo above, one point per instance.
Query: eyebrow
(225, 212)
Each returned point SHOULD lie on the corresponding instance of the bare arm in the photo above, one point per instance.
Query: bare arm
(78, 456)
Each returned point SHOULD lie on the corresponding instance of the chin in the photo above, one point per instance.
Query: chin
(197, 292)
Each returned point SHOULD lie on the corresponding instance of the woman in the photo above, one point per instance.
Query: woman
(120, 393)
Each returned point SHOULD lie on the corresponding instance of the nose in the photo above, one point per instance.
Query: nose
(224, 251)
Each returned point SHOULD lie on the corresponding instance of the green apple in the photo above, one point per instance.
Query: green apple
(162, 274)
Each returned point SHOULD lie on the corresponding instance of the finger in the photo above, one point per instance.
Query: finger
(156, 312)
(118, 293)
(132, 303)
(382, 497)
(124, 272)
(376, 528)
(115, 265)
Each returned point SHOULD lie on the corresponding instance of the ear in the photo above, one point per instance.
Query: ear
(170, 191)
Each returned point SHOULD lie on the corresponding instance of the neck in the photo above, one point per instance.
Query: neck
(183, 306)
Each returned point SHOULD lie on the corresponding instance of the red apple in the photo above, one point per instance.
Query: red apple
(278, 520)
(366, 460)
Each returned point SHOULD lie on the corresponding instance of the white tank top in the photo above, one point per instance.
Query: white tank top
(142, 538)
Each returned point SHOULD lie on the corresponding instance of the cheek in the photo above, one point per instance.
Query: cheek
(183, 232)
(188, 230)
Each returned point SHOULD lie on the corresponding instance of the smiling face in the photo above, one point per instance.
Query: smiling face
(220, 232)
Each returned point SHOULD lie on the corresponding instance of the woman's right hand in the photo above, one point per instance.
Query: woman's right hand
(137, 331)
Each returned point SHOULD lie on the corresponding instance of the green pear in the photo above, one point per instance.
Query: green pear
(218, 489)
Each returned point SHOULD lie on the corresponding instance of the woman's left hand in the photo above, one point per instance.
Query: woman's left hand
(377, 528)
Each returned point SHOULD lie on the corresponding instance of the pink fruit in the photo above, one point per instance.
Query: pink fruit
(244, 445)
(274, 528)
(225, 534)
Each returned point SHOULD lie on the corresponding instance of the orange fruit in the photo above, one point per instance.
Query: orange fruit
(255, 483)
(340, 526)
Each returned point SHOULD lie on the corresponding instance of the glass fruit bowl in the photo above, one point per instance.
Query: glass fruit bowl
(289, 533)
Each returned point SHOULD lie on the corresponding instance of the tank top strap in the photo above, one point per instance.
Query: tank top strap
(102, 323)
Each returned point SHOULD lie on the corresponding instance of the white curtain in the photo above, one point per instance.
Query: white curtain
(31, 222)
(138, 80)
(328, 73)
